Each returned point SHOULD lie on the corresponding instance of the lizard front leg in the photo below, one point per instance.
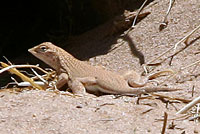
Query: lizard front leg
(62, 80)
(79, 85)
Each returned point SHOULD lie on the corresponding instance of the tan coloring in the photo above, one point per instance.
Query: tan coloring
(81, 76)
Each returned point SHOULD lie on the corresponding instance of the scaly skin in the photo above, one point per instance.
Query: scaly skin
(81, 76)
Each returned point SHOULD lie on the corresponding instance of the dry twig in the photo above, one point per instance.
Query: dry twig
(171, 98)
(181, 69)
(189, 105)
(135, 19)
(175, 46)
(164, 123)
(21, 75)
(164, 23)
(20, 66)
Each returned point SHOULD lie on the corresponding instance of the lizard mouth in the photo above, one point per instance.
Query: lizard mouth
(33, 52)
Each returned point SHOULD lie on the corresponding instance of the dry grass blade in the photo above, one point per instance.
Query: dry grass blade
(161, 73)
(189, 105)
(181, 69)
(21, 66)
(135, 19)
(175, 46)
(22, 76)
(164, 23)
(171, 98)
(195, 63)
(164, 123)
(40, 77)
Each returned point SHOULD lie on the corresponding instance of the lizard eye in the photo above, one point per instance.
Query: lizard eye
(43, 48)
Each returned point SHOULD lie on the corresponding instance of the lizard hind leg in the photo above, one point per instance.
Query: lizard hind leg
(134, 79)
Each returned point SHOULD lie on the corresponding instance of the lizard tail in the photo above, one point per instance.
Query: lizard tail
(143, 90)
(159, 89)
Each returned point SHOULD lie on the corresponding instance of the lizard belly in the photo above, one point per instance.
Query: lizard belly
(97, 88)
(93, 88)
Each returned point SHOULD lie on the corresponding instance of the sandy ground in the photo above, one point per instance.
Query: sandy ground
(45, 112)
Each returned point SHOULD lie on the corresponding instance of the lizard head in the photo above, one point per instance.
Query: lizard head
(48, 53)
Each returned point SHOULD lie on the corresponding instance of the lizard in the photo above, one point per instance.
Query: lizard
(81, 76)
